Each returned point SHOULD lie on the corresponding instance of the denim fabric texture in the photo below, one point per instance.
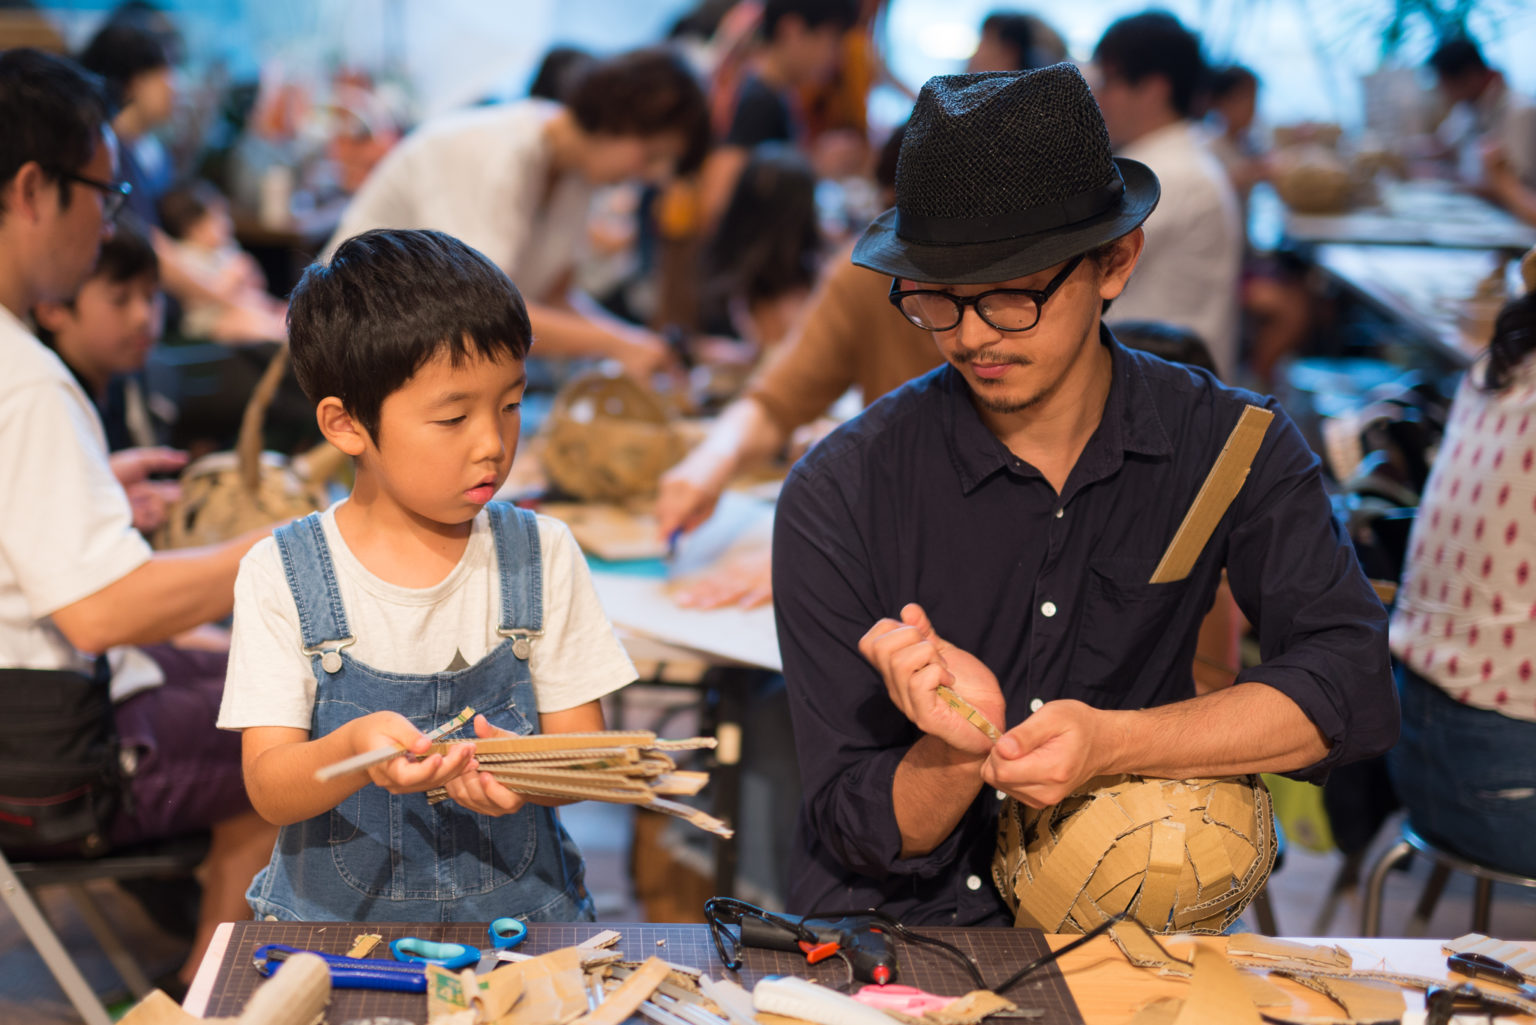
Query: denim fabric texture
(379, 856)
(1467, 776)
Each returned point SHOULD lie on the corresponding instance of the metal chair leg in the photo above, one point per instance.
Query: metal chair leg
(1418, 925)
(47, 944)
(1481, 905)
(1370, 918)
(1264, 913)
(133, 976)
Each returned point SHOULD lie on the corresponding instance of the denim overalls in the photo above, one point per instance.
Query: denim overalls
(386, 857)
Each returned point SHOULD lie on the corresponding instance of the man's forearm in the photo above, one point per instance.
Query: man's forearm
(934, 786)
(569, 334)
(172, 592)
(1245, 728)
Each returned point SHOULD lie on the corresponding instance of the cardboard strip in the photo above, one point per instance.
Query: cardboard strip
(1248, 944)
(1216, 994)
(1217, 492)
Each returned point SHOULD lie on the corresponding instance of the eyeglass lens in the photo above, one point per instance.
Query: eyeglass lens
(1006, 311)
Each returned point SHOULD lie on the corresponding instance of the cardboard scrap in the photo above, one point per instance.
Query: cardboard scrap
(544, 990)
(363, 945)
(626, 999)
(1143, 951)
(1364, 1002)
(1262, 992)
(1161, 1011)
(1266, 948)
(970, 1009)
(1217, 993)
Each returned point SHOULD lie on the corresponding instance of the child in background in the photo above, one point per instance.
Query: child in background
(363, 626)
(196, 216)
(104, 335)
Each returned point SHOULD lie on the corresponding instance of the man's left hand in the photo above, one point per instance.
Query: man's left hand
(1050, 754)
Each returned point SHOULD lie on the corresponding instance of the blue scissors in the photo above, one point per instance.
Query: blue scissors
(349, 972)
(505, 933)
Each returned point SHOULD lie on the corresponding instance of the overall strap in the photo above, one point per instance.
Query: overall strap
(312, 580)
(520, 571)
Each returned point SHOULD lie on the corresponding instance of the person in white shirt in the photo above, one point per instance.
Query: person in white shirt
(1491, 127)
(515, 181)
(75, 577)
(1147, 69)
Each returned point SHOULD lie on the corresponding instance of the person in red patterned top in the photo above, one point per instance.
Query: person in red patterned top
(1464, 629)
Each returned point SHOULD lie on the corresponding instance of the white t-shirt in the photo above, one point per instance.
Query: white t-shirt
(66, 530)
(481, 175)
(418, 631)
(1189, 271)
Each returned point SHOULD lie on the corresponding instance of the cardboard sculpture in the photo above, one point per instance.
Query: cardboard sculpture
(226, 494)
(1179, 855)
(608, 439)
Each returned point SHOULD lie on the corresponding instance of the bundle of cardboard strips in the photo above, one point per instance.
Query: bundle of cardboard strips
(617, 766)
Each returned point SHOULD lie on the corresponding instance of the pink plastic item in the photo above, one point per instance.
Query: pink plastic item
(906, 999)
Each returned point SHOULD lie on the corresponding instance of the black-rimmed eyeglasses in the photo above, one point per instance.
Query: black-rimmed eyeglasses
(1007, 309)
(113, 194)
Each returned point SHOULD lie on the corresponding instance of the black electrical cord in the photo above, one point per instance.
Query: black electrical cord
(722, 911)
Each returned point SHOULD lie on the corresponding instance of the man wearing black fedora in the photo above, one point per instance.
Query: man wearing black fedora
(996, 526)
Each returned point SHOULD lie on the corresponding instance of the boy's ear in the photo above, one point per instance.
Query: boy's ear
(339, 427)
(52, 316)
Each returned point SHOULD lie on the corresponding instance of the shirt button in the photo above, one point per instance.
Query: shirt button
(1001, 796)
(1060, 512)
(1048, 609)
(1036, 705)
(973, 882)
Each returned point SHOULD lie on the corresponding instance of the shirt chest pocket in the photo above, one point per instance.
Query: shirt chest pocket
(1130, 630)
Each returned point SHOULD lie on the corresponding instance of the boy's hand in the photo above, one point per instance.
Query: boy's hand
(406, 775)
(479, 791)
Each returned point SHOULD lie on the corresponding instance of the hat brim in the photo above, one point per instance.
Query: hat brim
(979, 263)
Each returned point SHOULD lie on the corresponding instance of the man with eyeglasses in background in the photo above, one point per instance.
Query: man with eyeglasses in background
(995, 527)
(76, 578)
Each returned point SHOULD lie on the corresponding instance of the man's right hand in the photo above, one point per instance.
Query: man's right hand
(914, 661)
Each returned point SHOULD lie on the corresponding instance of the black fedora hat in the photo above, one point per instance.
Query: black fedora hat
(1001, 175)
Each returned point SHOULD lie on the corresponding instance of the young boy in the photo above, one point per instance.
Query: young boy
(363, 626)
(104, 334)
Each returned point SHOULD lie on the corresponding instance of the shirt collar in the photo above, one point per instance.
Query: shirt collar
(1130, 423)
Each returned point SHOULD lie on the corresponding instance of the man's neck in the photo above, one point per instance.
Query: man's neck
(15, 293)
(1051, 433)
(1153, 121)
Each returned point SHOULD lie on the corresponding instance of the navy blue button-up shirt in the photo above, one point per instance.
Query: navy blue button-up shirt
(916, 500)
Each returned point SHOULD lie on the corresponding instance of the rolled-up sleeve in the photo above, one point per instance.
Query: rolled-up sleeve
(1322, 631)
(849, 736)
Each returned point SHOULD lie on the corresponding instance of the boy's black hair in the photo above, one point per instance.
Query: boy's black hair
(842, 14)
(1229, 79)
(183, 205)
(390, 300)
(124, 257)
(1457, 56)
(560, 66)
(1017, 32)
(53, 113)
(646, 92)
(1155, 43)
(125, 47)
(1166, 341)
